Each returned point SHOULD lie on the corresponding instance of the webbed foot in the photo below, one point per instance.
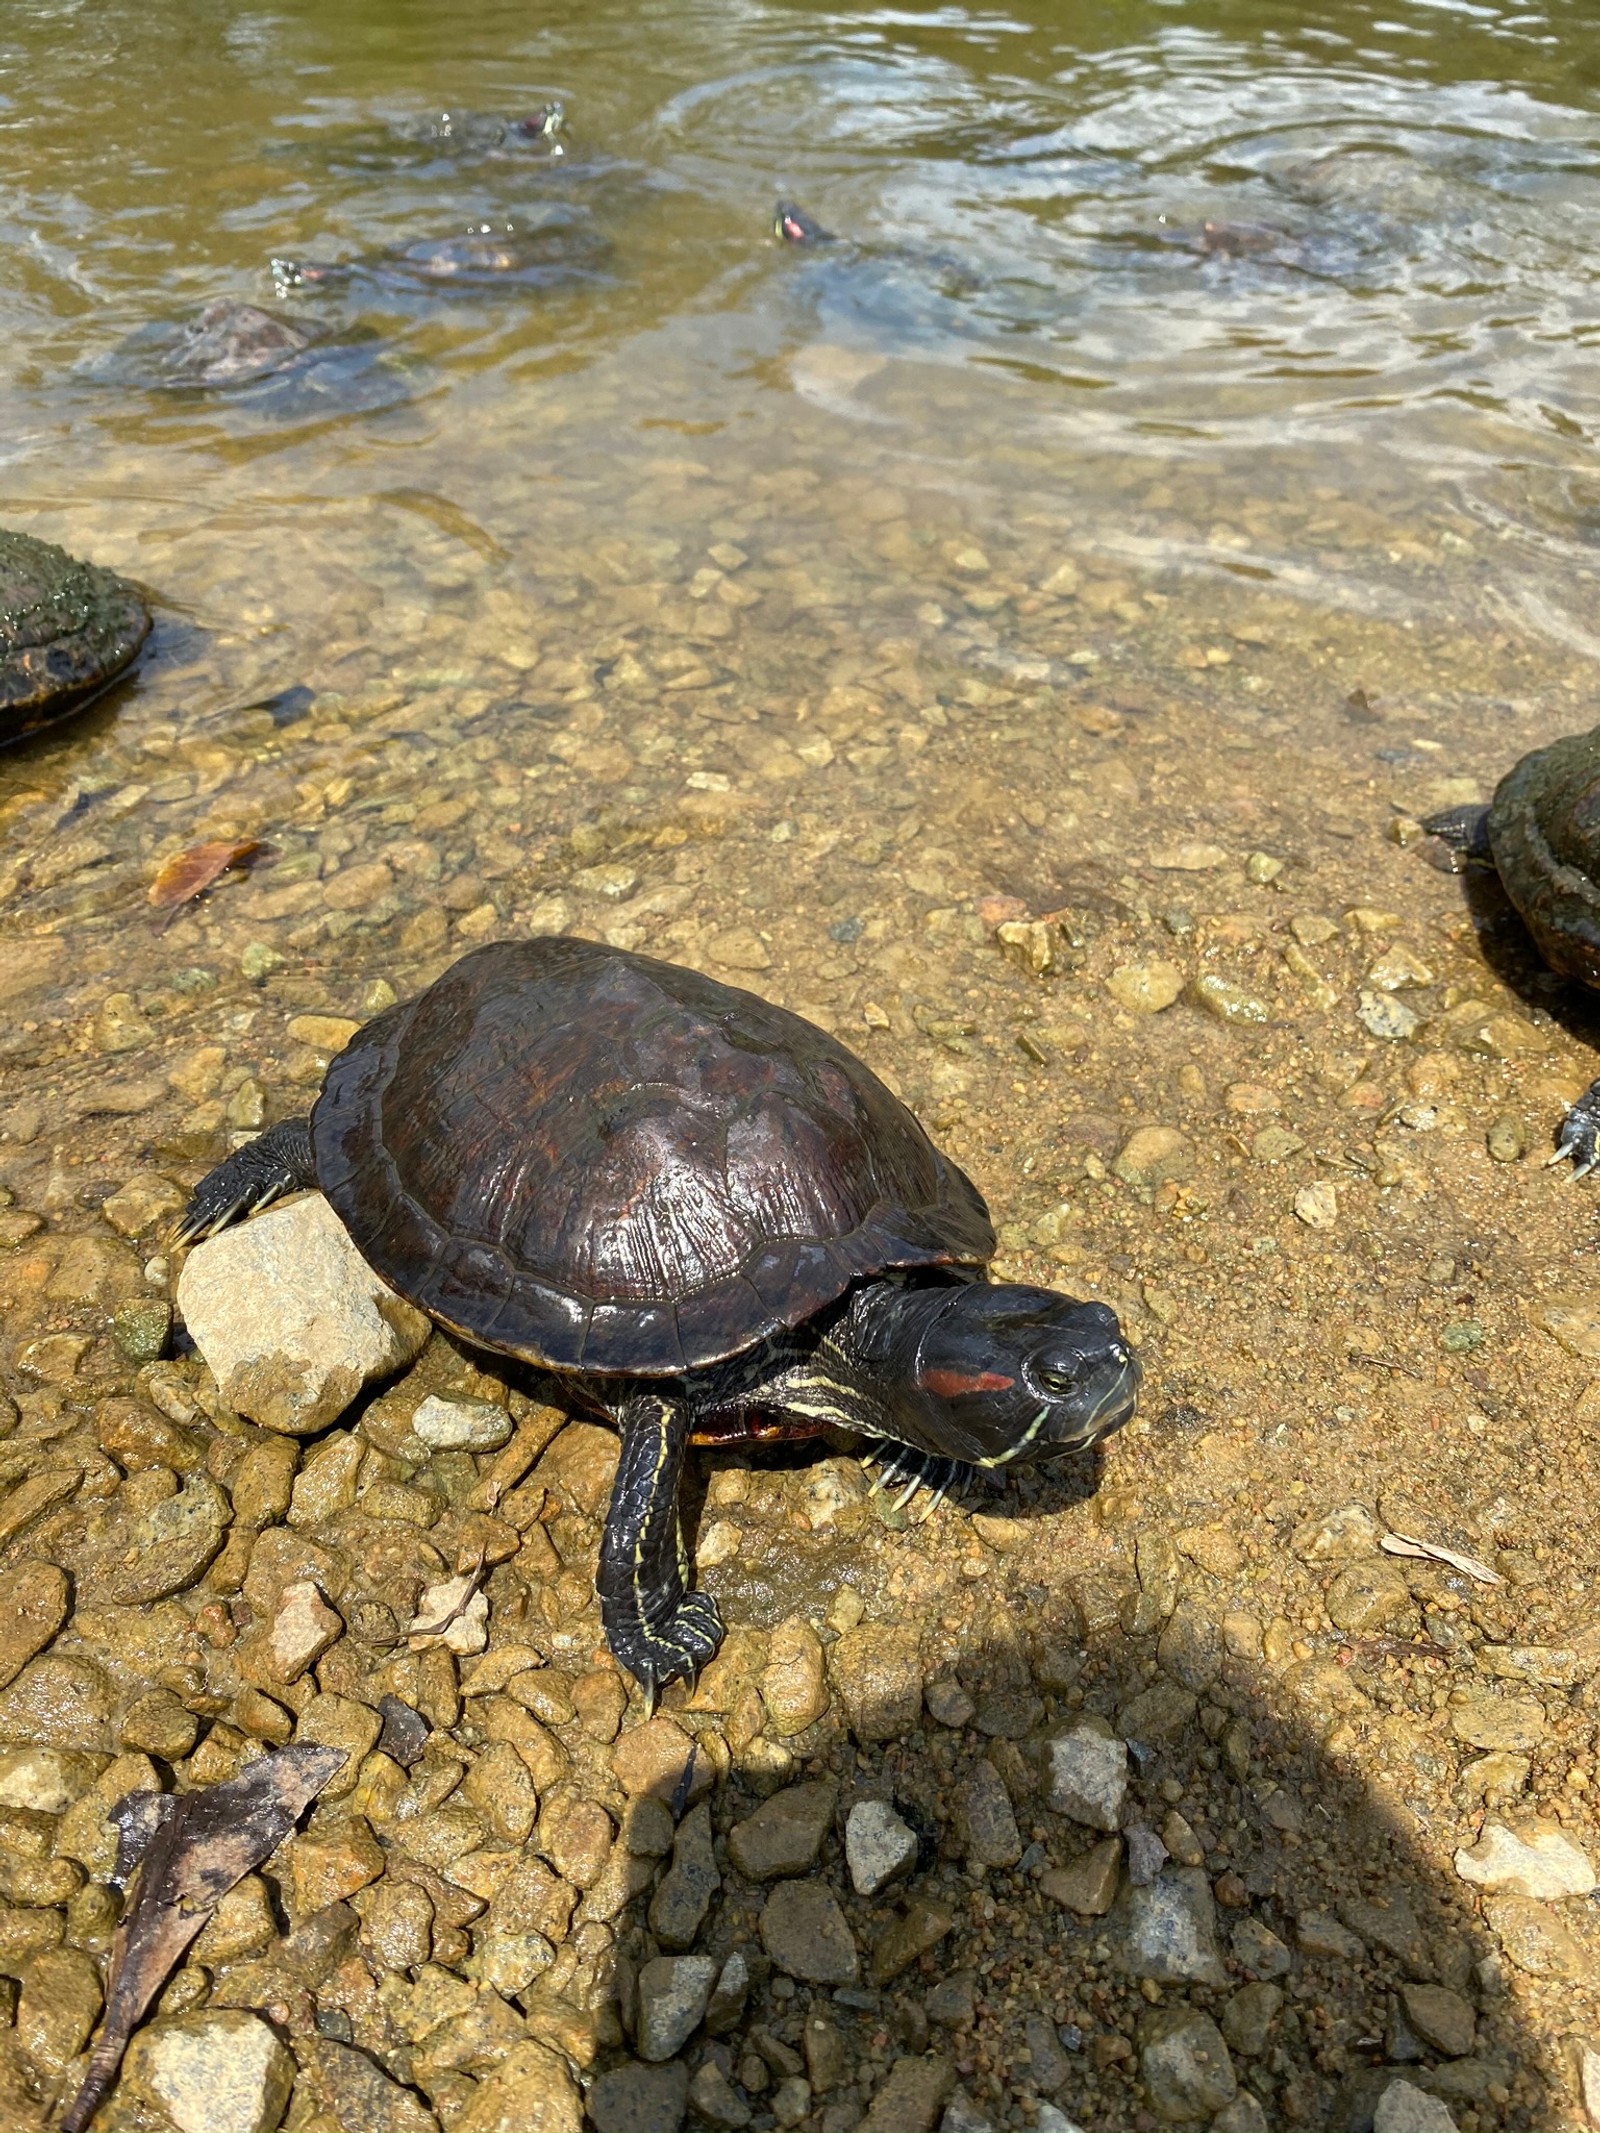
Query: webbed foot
(1466, 831)
(275, 1162)
(1578, 1135)
(674, 1649)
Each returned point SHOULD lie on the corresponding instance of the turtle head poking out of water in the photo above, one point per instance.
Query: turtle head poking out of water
(709, 1218)
(792, 225)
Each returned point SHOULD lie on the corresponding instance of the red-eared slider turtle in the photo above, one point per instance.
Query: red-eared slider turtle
(441, 138)
(560, 247)
(67, 630)
(704, 1213)
(1541, 834)
(258, 358)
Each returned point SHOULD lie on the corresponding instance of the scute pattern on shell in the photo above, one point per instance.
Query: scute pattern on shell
(601, 1162)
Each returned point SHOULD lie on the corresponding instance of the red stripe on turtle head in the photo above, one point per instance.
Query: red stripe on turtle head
(953, 1384)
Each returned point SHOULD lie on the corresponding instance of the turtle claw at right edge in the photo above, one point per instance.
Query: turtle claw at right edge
(1579, 1135)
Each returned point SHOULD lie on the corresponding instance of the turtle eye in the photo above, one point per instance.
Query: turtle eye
(1061, 1381)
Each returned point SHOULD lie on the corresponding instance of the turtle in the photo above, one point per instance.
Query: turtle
(67, 630)
(239, 348)
(558, 248)
(706, 1216)
(1541, 835)
(438, 137)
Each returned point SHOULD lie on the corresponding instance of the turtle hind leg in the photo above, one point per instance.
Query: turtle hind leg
(1579, 1134)
(275, 1162)
(656, 1627)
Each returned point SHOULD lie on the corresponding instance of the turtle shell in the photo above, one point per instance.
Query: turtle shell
(1544, 832)
(599, 1162)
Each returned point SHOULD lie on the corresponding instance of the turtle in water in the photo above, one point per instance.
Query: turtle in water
(67, 630)
(558, 248)
(453, 137)
(239, 348)
(1541, 834)
(706, 1216)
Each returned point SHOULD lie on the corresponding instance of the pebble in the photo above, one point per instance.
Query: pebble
(1404, 2108)
(220, 2072)
(1369, 1595)
(58, 2007)
(1441, 2018)
(922, 1926)
(962, 2115)
(1257, 1949)
(461, 1425)
(877, 1672)
(638, 2099)
(1317, 1205)
(878, 1846)
(949, 1703)
(172, 1542)
(681, 1901)
(1540, 1862)
(1145, 988)
(291, 1320)
(34, 1598)
(1185, 2065)
(729, 1995)
(46, 1780)
(1087, 1777)
(1336, 1536)
(1089, 1884)
(660, 1760)
(910, 2100)
(1153, 1154)
(1381, 1014)
(794, 1682)
(674, 1992)
(784, 1835)
(805, 1933)
(985, 1818)
(1248, 2019)
(1537, 1940)
(1510, 1723)
(1226, 1002)
(1167, 1932)
(714, 2098)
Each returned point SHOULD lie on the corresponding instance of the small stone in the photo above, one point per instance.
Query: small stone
(158, 1724)
(1513, 1723)
(1168, 1930)
(172, 1543)
(953, 2001)
(46, 1780)
(220, 2072)
(1368, 1596)
(985, 1818)
(59, 1701)
(660, 1760)
(949, 1703)
(398, 1926)
(878, 1674)
(530, 2091)
(739, 948)
(145, 1200)
(119, 1026)
(1089, 1885)
(1441, 2018)
(332, 1721)
(1382, 1015)
(910, 2100)
(1540, 1862)
(329, 1863)
(142, 1327)
(1226, 1002)
(790, 2101)
(1398, 969)
(1262, 868)
(1147, 1855)
(1404, 2108)
(461, 1425)
(353, 2090)
(1188, 858)
(1145, 988)
(1257, 1949)
(290, 1318)
(794, 1682)
(1537, 1940)
(1248, 2019)
(923, 1925)
(1185, 2065)
(1190, 1646)
(1087, 1777)
(714, 2098)
(728, 1996)
(962, 2115)
(784, 1835)
(1336, 1536)
(804, 1932)
(34, 1598)
(673, 1994)
(1243, 2115)
(1151, 1155)
(1159, 1714)
(680, 1904)
(878, 1846)
(58, 2007)
(1317, 1205)
(302, 1629)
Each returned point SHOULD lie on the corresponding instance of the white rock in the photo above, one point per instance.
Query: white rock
(1404, 2108)
(49, 1779)
(453, 1613)
(1541, 1863)
(1168, 1931)
(1585, 2062)
(291, 1320)
(461, 1425)
(302, 1630)
(878, 1846)
(674, 1991)
(1088, 1777)
(220, 2072)
(1052, 2119)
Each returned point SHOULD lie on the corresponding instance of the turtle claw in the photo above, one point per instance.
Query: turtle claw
(1578, 1137)
(263, 1170)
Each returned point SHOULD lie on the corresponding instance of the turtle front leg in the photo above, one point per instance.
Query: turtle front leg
(275, 1162)
(654, 1624)
(1578, 1135)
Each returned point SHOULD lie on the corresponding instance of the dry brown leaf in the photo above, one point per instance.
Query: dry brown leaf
(193, 871)
(1430, 1551)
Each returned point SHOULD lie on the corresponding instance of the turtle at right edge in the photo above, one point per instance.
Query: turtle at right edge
(1541, 834)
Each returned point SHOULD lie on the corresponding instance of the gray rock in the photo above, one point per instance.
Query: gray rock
(985, 1818)
(1052, 2119)
(291, 1320)
(640, 2099)
(674, 1992)
(785, 1833)
(878, 1846)
(1087, 1777)
(461, 1425)
(790, 2100)
(1337, 1536)
(1147, 1855)
(1168, 1931)
(1441, 2018)
(953, 2001)
(716, 2100)
(961, 2115)
(1049, 2064)
(1316, 1933)
(220, 2072)
(725, 2009)
(1190, 1647)
(1248, 2018)
(678, 1908)
(1008, 1714)
(804, 1932)
(1184, 2064)
(1243, 2115)
(1404, 2108)
(1257, 1949)
(949, 1703)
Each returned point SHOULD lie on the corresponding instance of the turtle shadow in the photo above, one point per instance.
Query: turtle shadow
(1213, 1905)
(1508, 949)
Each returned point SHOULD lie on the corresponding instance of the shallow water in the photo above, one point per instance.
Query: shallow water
(1180, 464)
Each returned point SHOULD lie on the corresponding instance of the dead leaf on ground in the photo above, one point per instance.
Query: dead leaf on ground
(1430, 1551)
(188, 1850)
(191, 873)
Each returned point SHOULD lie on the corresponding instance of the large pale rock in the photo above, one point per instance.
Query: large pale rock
(220, 2072)
(290, 1318)
(1540, 1862)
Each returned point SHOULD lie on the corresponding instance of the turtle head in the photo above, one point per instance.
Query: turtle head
(540, 124)
(1009, 1376)
(792, 225)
